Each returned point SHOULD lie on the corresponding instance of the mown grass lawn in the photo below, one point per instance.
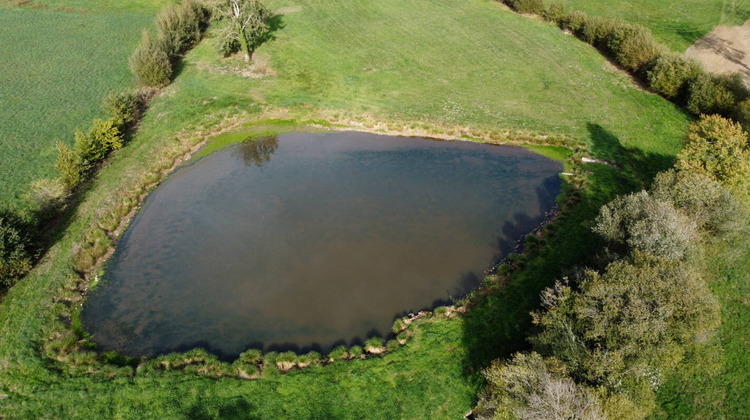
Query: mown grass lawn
(675, 23)
(470, 64)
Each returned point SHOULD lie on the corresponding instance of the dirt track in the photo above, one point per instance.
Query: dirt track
(726, 49)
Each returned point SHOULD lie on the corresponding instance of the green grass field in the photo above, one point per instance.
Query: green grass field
(56, 68)
(455, 67)
(675, 23)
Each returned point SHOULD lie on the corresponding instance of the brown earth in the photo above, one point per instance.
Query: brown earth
(725, 50)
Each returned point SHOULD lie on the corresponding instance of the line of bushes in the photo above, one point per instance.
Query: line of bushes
(674, 76)
(608, 336)
(178, 28)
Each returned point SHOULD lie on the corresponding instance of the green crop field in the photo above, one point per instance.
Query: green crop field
(56, 68)
(453, 68)
(675, 23)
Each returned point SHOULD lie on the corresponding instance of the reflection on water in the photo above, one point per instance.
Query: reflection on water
(307, 240)
(256, 152)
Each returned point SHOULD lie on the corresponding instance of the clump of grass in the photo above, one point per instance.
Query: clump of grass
(374, 345)
(355, 351)
(306, 360)
(392, 345)
(338, 353)
(398, 326)
(441, 311)
(402, 337)
(286, 361)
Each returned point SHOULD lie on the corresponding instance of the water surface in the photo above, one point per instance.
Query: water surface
(309, 240)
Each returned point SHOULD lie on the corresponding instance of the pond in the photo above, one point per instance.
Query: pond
(307, 240)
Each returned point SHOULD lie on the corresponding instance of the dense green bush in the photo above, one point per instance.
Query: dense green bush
(94, 145)
(596, 30)
(123, 108)
(712, 207)
(150, 62)
(555, 12)
(628, 328)
(640, 221)
(742, 114)
(716, 94)
(530, 387)
(671, 74)
(70, 166)
(181, 25)
(526, 6)
(16, 245)
(632, 46)
(574, 21)
(717, 147)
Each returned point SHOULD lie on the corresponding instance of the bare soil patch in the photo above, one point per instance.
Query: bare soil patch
(725, 50)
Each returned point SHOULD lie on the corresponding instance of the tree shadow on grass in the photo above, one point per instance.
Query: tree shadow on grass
(638, 167)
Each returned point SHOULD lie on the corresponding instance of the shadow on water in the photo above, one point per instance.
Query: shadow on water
(499, 322)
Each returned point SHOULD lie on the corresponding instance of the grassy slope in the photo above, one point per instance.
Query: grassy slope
(469, 63)
(56, 68)
(675, 23)
(724, 395)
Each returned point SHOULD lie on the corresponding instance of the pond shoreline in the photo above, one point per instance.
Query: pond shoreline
(90, 276)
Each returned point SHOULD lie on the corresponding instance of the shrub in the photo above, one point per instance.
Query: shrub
(715, 94)
(526, 6)
(529, 387)
(671, 75)
(15, 247)
(742, 114)
(596, 31)
(70, 166)
(180, 26)
(639, 221)
(628, 328)
(575, 21)
(150, 62)
(123, 108)
(555, 12)
(712, 207)
(47, 196)
(717, 147)
(632, 46)
(94, 146)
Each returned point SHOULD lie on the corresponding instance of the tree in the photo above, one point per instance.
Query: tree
(530, 387)
(627, 328)
(640, 221)
(718, 147)
(247, 24)
(714, 209)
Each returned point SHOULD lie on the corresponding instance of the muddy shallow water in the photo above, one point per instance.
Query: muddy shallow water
(308, 240)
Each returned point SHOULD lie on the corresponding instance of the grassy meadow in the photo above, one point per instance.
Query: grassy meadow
(676, 24)
(56, 68)
(454, 68)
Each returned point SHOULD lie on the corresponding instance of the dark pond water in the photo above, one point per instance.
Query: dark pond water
(308, 240)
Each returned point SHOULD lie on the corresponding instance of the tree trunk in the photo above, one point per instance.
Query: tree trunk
(245, 45)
